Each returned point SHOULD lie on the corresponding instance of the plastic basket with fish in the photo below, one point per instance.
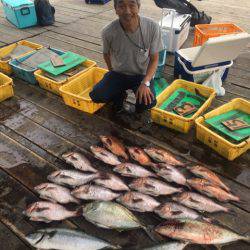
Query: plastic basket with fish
(15, 50)
(52, 83)
(6, 87)
(214, 139)
(24, 67)
(76, 92)
(164, 112)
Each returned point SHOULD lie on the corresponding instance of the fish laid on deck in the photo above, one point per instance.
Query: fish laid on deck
(79, 161)
(207, 174)
(198, 232)
(205, 187)
(65, 239)
(138, 202)
(72, 178)
(111, 181)
(140, 156)
(105, 156)
(153, 187)
(161, 155)
(54, 192)
(172, 210)
(133, 170)
(114, 145)
(170, 173)
(199, 202)
(48, 211)
(94, 192)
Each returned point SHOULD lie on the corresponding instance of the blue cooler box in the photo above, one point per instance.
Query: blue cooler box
(196, 64)
(21, 13)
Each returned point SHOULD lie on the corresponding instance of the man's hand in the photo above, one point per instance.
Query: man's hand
(144, 94)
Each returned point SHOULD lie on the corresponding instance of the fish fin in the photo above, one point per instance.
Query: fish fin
(104, 176)
(149, 186)
(63, 176)
(152, 234)
(79, 212)
(109, 142)
(232, 212)
(51, 234)
(136, 200)
(49, 188)
(128, 170)
(44, 197)
(176, 212)
(42, 209)
(192, 200)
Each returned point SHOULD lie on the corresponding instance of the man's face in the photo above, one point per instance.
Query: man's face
(127, 9)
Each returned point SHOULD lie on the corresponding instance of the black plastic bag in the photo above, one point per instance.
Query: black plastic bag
(45, 12)
(184, 7)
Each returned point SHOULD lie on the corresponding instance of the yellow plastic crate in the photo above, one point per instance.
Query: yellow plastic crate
(53, 86)
(4, 65)
(217, 142)
(6, 87)
(76, 92)
(175, 121)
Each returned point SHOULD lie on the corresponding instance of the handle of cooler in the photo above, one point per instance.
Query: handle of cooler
(25, 11)
(202, 70)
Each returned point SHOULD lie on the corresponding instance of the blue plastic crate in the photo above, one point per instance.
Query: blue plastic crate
(161, 64)
(21, 13)
(24, 74)
(97, 1)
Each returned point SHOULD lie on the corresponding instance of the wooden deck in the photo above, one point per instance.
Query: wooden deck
(36, 127)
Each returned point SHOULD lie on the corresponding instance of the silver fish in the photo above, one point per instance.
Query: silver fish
(48, 211)
(138, 202)
(199, 202)
(111, 181)
(94, 192)
(170, 173)
(172, 210)
(79, 161)
(133, 170)
(71, 178)
(110, 215)
(162, 155)
(168, 246)
(105, 156)
(198, 232)
(54, 192)
(153, 187)
(65, 239)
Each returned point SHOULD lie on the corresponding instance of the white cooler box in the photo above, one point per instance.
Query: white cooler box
(175, 29)
(196, 64)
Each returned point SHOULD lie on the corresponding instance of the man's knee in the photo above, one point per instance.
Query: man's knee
(97, 97)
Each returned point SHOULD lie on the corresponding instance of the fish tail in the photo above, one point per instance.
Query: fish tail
(115, 247)
(78, 212)
(231, 212)
(151, 234)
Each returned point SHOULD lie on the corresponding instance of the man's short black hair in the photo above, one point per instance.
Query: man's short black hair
(116, 2)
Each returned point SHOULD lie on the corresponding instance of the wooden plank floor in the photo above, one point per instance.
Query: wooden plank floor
(36, 128)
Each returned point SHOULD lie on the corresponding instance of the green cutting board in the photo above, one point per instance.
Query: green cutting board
(235, 136)
(70, 60)
(160, 85)
(179, 97)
